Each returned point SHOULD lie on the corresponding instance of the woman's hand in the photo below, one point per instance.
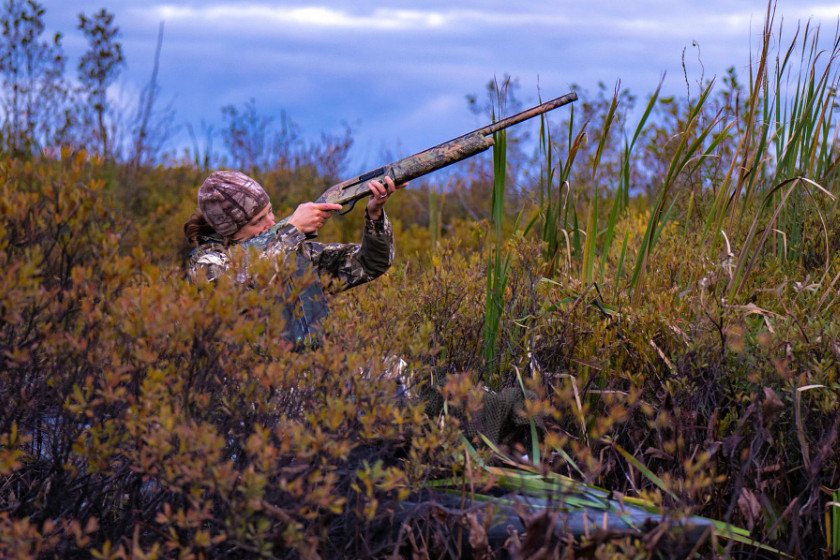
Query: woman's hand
(380, 194)
(310, 216)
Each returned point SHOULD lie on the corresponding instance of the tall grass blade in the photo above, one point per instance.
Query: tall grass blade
(498, 195)
(605, 130)
(535, 440)
(645, 471)
(619, 271)
(549, 209)
(577, 243)
(618, 198)
(591, 238)
(497, 268)
(621, 197)
(834, 506)
(568, 459)
(684, 154)
(737, 534)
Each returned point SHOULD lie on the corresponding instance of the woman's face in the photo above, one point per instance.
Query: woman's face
(258, 224)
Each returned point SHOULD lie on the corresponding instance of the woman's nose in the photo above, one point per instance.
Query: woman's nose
(268, 221)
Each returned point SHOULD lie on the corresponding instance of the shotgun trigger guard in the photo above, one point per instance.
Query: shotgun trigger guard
(349, 205)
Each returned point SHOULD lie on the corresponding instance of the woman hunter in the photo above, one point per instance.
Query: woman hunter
(234, 208)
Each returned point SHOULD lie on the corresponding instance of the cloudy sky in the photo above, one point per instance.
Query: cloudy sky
(398, 71)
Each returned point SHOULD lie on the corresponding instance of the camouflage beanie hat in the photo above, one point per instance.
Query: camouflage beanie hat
(229, 199)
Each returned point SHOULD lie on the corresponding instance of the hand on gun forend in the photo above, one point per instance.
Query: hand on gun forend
(379, 196)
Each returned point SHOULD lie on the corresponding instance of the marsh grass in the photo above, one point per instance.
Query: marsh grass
(752, 182)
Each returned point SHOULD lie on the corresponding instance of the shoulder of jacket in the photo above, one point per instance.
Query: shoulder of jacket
(209, 254)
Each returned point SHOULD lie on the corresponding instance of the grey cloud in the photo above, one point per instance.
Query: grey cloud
(407, 79)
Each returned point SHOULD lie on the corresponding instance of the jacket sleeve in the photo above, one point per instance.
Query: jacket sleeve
(285, 241)
(344, 265)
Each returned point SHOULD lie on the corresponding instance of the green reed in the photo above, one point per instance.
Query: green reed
(498, 264)
(786, 132)
(621, 195)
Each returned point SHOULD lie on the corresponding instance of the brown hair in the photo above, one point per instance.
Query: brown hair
(197, 227)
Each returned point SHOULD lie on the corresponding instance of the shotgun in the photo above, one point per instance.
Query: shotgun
(348, 192)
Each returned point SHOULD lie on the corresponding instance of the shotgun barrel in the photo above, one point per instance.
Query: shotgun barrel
(437, 157)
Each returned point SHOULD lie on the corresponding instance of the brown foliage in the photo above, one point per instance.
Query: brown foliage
(147, 415)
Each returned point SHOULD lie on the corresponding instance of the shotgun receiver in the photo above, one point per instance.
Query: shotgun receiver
(432, 159)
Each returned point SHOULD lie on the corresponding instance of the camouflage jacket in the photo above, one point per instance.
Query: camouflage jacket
(338, 266)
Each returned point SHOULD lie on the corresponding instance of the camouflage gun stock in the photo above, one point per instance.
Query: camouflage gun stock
(348, 192)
